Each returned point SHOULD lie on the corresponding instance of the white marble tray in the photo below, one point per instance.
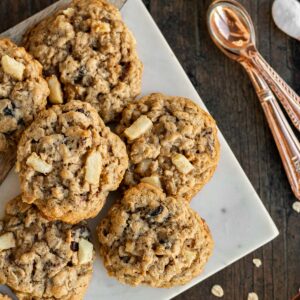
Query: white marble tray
(238, 220)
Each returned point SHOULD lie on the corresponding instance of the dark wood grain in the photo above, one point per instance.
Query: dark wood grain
(230, 98)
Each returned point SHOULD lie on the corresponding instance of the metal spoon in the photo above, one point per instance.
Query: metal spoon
(231, 29)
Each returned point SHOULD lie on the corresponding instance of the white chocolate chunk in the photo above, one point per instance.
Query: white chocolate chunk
(257, 262)
(68, 11)
(7, 241)
(190, 257)
(38, 164)
(138, 128)
(217, 291)
(56, 95)
(252, 296)
(93, 168)
(153, 180)
(85, 252)
(12, 67)
(182, 163)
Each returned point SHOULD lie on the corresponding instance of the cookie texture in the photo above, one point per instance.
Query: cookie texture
(93, 54)
(41, 259)
(180, 149)
(149, 238)
(68, 161)
(4, 297)
(23, 92)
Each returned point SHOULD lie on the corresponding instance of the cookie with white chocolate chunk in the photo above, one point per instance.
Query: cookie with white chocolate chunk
(149, 238)
(68, 161)
(171, 142)
(40, 259)
(23, 92)
(88, 54)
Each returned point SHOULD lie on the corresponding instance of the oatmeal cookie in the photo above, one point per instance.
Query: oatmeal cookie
(23, 92)
(91, 52)
(171, 142)
(68, 161)
(4, 297)
(149, 238)
(40, 259)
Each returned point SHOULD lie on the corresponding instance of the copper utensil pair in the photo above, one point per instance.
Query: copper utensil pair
(232, 30)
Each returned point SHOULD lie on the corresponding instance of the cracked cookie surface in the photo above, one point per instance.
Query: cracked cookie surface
(93, 54)
(40, 259)
(23, 92)
(178, 151)
(148, 238)
(68, 161)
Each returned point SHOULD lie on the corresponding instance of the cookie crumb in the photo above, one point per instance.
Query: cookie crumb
(252, 296)
(257, 262)
(217, 291)
(296, 206)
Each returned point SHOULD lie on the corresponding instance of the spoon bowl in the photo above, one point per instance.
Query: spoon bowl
(230, 27)
(232, 30)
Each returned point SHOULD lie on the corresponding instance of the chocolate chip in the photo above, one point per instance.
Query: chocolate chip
(8, 112)
(80, 110)
(95, 45)
(21, 122)
(156, 211)
(70, 264)
(80, 74)
(125, 259)
(74, 246)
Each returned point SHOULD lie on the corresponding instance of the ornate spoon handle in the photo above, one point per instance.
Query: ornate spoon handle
(285, 94)
(7, 161)
(286, 141)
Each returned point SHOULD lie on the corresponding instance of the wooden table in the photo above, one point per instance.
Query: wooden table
(229, 96)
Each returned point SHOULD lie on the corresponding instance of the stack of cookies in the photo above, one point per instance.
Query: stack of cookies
(82, 73)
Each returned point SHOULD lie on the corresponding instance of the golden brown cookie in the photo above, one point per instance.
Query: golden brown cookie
(23, 92)
(171, 143)
(89, 49)
(68, 161)
(4, 297)
(40, 259)
(149, 238)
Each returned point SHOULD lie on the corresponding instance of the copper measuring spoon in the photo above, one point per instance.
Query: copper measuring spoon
(232, 30)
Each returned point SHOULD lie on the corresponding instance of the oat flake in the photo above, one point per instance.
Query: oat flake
(296, 206)
(252, 296)
(217, 291)
(257, 262)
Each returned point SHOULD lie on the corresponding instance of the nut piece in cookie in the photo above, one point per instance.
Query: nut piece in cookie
(182, 163)
(23, 92)
(45, 262)
(85, 251)
(149, 238)
(82, 160)
(170, 140)
(138, 128)
(153, 180)
(89, 49)
(93, 168)
(56, 95)
(38, 164)
(7, 241)
(12, 67)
